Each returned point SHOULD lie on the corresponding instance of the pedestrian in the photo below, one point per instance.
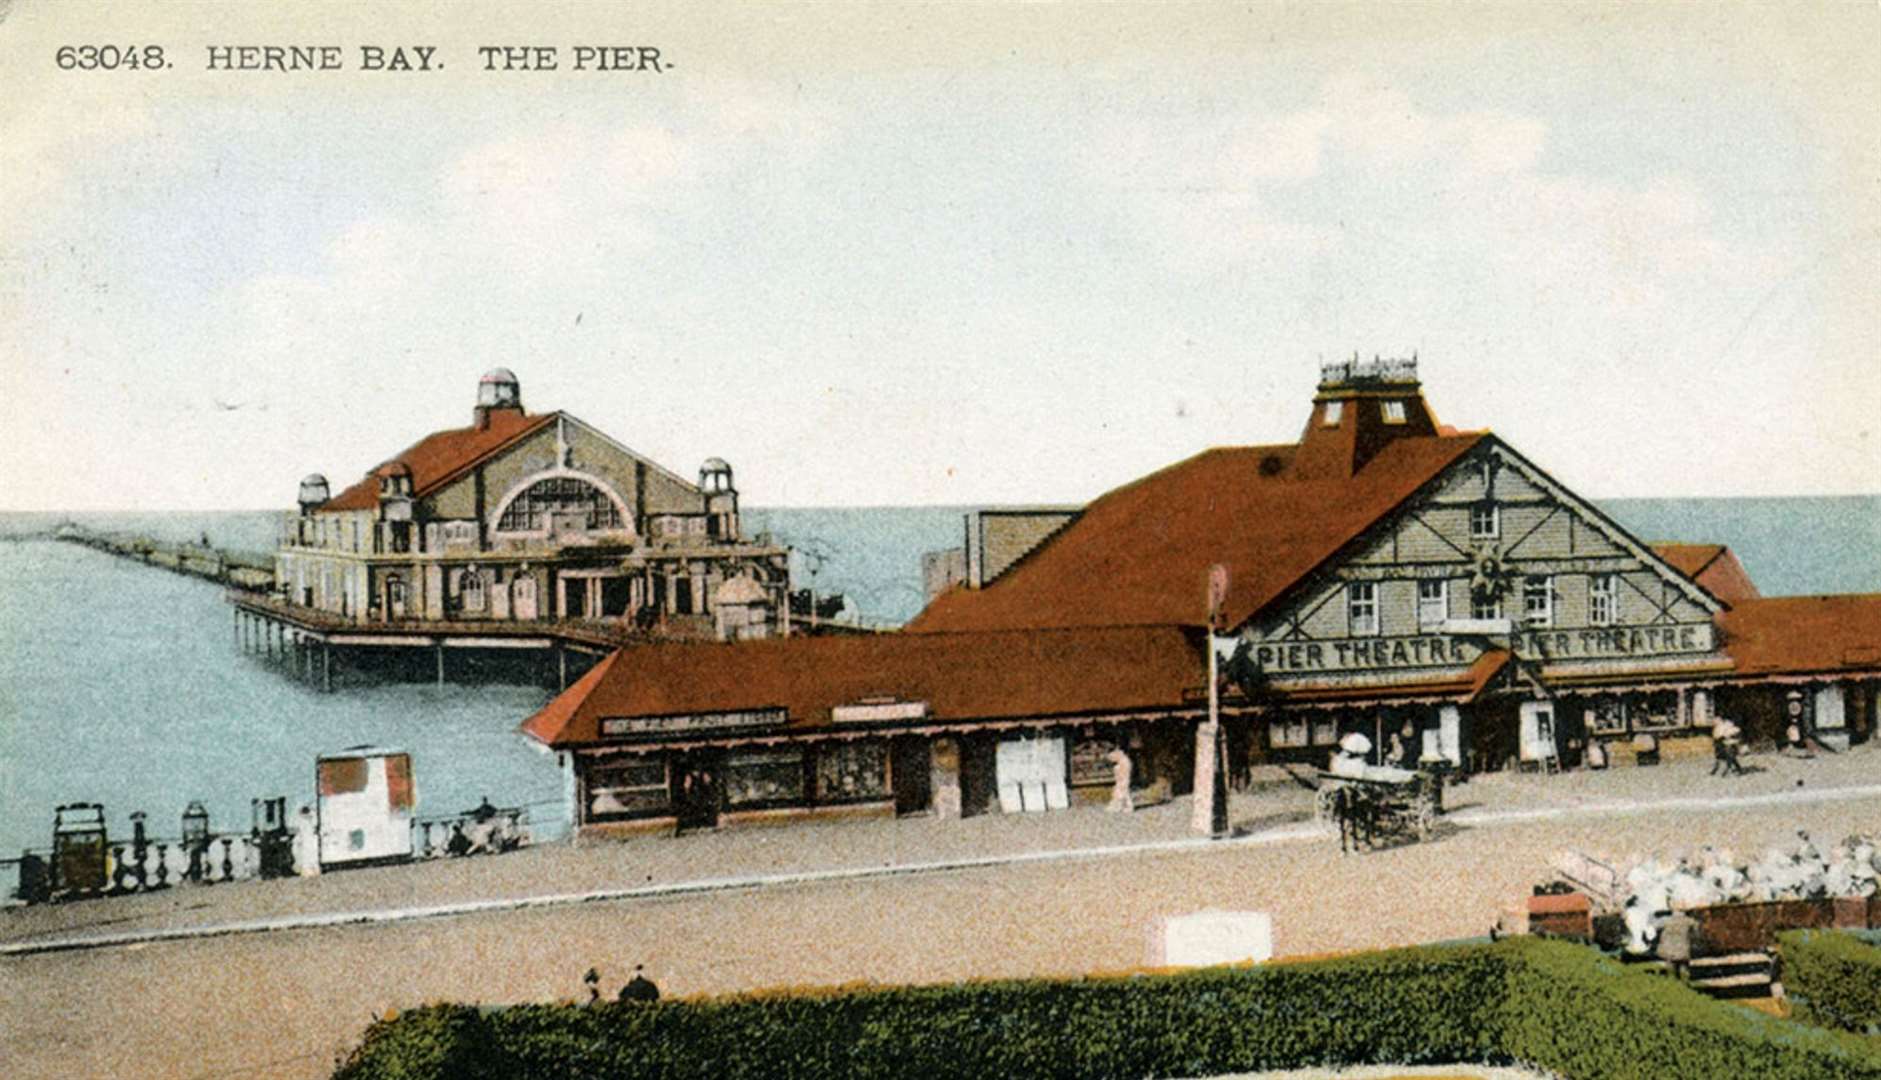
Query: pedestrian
(640, 989)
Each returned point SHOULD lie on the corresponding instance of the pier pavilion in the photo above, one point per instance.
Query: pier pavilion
(1385, 574)
(521, 531)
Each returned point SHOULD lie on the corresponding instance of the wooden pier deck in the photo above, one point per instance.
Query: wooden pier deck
(305, 638)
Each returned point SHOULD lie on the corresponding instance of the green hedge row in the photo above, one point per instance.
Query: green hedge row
(1589, 1017)
(1559, 1006)
(1833, 978)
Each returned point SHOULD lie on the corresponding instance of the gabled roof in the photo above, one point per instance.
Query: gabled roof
(961, 677)
(1140, 554)
(442, 456)
(1804, 635)
(1713, 567)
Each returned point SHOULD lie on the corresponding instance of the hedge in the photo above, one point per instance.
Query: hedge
(1833, 978)
(1590, 1017)
(1559, 1006)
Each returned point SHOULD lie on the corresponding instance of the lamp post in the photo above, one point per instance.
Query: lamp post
(1210, 810)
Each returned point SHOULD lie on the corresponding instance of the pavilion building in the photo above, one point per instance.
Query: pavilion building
(530, 518)
(1384, 574)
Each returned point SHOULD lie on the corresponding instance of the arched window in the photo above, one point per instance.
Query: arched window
(564, 497)
(470, 593)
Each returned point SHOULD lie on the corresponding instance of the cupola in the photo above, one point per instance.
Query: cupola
(498, 389)
(313, 492)
(1359, 408)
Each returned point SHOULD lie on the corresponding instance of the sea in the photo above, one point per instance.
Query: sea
(122, 684)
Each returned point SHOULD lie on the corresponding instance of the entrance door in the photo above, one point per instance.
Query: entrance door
(1538, 742)
(909, 768)
(696, 792)
(522, 600)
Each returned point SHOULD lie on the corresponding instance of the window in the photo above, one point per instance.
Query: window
(1603, 600)
(471, 591)
(1362, 607)
(1485, 607)
(637, 787)
(1392, 411)
(761, 777)
(460, 532)
(1538, 601)
(852, 770)
(1433, 602)
(1330, 412)
(1485, 521)
(562, 496)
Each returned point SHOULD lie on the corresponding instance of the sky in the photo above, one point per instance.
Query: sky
(901, 254)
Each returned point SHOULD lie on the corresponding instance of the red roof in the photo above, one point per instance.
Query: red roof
(961, 677)
(442, 456)
(1803, 635)
(1713, 567)
(1140, 554)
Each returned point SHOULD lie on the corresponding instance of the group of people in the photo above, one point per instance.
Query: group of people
(1799, 870)
(638, 990)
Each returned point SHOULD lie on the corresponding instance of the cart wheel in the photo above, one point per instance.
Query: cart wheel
(1426, 823)
(1323, 808)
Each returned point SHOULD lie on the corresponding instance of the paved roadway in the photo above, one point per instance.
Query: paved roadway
(1060, 894)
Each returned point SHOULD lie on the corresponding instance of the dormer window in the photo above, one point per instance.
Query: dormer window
(1392, 411)
(1330, 412)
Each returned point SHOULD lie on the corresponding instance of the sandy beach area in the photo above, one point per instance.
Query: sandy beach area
(289, 1002)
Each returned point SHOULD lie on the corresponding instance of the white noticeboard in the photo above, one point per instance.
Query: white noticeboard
(1030, 774)
(1204, 938)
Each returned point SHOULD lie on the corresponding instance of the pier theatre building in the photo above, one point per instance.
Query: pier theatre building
(516, 524)
(1385, 574)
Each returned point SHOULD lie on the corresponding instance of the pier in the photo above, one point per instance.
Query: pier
(238, 570)
(314, 646)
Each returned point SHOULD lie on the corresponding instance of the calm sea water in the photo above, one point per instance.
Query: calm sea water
(121, 683)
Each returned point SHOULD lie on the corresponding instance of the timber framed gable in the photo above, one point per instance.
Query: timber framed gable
(1490, 554)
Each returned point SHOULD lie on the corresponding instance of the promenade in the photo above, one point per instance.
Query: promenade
(276, 978)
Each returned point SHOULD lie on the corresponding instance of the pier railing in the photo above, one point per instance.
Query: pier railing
(101, 867)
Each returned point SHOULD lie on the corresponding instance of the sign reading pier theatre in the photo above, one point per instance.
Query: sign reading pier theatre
(1453, 650)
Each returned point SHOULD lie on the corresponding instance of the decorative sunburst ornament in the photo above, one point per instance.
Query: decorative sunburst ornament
(1489, 575)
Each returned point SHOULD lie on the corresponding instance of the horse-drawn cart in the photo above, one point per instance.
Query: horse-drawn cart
(1388, 803)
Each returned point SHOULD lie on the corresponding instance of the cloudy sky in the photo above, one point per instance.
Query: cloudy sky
(905, 254)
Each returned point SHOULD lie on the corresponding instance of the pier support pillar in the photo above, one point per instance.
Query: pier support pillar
(440, 663)
(561, 663)
(326, 668)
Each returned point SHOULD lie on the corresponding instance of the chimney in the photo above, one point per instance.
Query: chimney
(1360, 407)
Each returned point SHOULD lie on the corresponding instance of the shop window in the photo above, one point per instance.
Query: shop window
(1362, 608)
(1433, 602)
(763, 777)
(1485, 607)
(1538, 600)
(1392, 411)
(1607, 716)
(1090, 762)
(1330, 412)
(1485, 521)
(626, 789)
(850, 771)
(1289, 732)
(1325, 731)
(1603, 599)
(1654, 712)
